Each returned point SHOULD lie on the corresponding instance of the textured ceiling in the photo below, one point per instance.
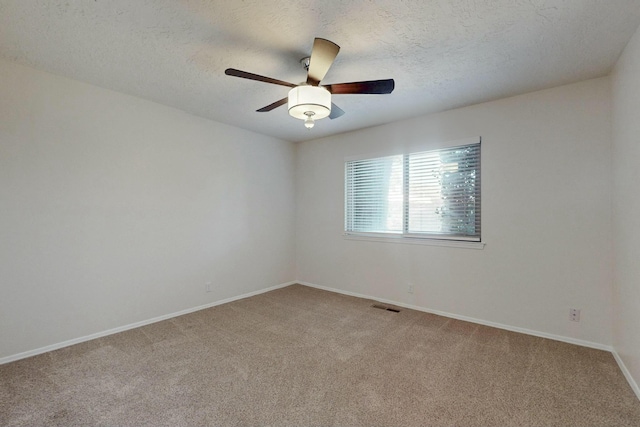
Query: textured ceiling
(442, 53)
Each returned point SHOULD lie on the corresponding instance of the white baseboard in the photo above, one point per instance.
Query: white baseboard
(632, 382)
(562, 338)
(68, 343)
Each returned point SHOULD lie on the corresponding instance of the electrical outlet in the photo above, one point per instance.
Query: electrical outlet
(574, 314)
(207, 287)
(410, 288)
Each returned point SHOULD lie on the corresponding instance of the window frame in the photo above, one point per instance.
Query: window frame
(405, 237)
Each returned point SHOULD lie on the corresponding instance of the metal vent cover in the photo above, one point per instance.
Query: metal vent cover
(384, 307)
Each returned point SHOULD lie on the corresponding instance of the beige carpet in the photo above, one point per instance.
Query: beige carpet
(303, 357)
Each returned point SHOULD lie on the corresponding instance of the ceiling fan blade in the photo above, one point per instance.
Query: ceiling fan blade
(368, 87)
(335, 111)
(323, 54)
(273, 106)
(251, 76)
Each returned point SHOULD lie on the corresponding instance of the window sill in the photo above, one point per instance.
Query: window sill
(415, 241)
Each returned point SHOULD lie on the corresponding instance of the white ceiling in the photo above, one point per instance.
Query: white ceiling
(442, 53)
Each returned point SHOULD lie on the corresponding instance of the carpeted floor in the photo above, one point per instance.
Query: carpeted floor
(299, 356)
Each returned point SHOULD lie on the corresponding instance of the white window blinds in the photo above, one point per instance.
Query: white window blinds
(374, 195)
(431, 194)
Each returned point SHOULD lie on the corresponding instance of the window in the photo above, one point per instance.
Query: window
(430, 194)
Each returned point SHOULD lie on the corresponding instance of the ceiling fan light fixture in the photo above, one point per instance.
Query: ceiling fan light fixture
(308, 100)
(309, 123)
(309, 103)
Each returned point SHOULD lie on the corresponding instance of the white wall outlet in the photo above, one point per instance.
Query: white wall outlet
(410, 288)
(207, 286)
(574, 314)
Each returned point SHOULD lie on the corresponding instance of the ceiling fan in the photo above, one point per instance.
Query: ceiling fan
(309, 101)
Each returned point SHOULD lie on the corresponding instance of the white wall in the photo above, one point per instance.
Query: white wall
(116, 210)
(626, 206)
(546, 215)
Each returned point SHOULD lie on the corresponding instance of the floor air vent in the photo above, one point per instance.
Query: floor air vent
(383, 307)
